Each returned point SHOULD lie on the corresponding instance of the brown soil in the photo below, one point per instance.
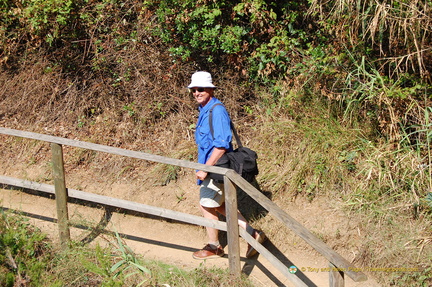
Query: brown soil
(174, 242)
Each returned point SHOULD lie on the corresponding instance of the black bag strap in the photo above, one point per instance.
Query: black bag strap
(237, 138)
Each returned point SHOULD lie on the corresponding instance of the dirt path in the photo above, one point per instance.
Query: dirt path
(171, 242)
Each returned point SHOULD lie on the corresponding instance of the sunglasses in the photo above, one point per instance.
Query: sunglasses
(200, 90)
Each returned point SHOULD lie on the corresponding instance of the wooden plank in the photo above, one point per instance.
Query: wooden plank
(297, 228)
(232, 227)
(336, 276)
(61, 194)
(118, 203)
(114, 150)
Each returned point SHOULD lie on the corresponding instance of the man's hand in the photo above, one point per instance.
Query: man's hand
(216, 154)
(201, 175)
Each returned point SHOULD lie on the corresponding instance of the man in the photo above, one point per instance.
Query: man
(211, 147)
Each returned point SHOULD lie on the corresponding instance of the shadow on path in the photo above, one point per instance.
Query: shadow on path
(253, 262)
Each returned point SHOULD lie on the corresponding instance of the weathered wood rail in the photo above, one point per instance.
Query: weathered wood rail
(338, 265)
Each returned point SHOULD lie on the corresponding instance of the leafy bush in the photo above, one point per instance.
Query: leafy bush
(250, 35)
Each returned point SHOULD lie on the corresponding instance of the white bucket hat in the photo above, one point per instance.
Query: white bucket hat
(201, 80)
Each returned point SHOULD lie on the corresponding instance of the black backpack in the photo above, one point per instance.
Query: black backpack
(242, 160)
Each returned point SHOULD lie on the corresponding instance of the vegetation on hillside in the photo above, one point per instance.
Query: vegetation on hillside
(334, 95)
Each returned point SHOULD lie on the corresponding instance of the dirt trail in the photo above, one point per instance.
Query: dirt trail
(174, 242)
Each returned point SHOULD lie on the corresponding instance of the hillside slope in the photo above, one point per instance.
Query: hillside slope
(337, 128)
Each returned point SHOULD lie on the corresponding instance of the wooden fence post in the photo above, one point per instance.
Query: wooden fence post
(336, 276)
(232, 227)
(61, 195)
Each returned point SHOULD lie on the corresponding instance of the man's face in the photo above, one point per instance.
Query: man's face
(202, 95)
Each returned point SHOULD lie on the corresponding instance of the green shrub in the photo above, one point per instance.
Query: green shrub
(22, 251)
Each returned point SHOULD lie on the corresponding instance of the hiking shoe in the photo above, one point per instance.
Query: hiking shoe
(208, 252)
(260, 237)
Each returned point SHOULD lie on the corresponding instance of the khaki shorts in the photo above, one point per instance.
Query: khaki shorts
(211, 193)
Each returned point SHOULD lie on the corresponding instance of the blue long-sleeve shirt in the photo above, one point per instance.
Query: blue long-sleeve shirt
(222, 135)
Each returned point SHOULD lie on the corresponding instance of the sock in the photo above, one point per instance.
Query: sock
(214, 245)
(250, 230)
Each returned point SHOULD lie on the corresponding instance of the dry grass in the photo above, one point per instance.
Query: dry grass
(399, 30)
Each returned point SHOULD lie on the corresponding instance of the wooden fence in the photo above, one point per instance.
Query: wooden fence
(338, 265)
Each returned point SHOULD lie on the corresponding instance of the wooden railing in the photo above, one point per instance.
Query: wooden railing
(338, 265)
